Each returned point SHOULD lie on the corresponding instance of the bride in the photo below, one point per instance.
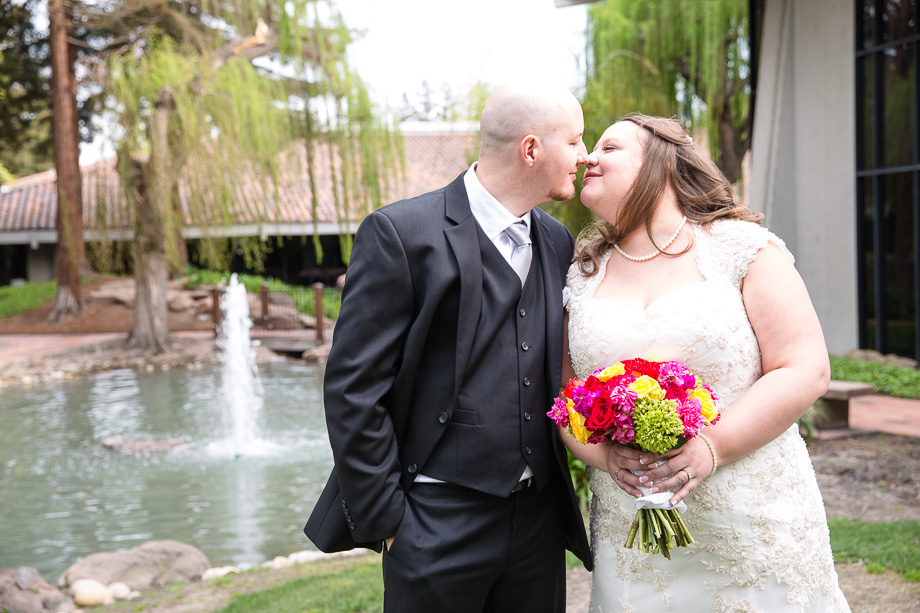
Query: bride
(677, 269)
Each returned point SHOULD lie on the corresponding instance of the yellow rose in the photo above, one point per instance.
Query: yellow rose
(577, 423)
(709, 407)
(611, 372)
(646, 387)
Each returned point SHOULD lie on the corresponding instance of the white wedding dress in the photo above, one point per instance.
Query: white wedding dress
(762, 541)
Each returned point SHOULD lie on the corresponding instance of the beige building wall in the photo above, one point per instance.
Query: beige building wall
(804, 151)
(40, 265)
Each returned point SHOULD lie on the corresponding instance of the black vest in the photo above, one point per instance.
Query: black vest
(499, 425)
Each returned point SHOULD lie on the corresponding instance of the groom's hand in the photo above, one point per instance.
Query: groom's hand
(389, 542)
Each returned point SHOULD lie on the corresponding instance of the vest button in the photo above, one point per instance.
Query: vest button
(526, 381)
(528, 450)
(523, 312)
(443, 418)
(412, 468)
(527, 416)
(525, 346)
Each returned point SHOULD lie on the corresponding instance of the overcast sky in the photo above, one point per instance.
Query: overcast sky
(460, 43)
(406, 42)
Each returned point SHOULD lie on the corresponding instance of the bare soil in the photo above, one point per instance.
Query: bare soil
(873, 477)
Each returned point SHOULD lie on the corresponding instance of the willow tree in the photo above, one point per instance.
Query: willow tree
(671, 57)
(196, 112)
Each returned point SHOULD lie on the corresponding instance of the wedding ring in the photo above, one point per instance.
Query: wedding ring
(616, 475)
(689, 476)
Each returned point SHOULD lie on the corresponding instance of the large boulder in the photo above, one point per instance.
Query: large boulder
(23, 590)
(154, 563)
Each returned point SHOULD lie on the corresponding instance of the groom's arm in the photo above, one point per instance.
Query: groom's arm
(377, 308)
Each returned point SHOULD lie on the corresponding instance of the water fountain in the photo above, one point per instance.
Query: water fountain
(241, 387)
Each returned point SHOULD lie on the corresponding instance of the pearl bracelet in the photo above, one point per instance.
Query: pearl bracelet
(712, 450)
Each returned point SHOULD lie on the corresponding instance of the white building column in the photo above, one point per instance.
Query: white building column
(803, 154)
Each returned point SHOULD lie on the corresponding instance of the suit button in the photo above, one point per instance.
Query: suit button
(523, 312)
(351, 524)
(528, 450)
(525, 346)
(443, 418)
(526, 416)
(412, 468)
(526, 381)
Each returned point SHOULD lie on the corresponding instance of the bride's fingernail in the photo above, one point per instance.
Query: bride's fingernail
(643, 479)
(643, 460)
(654, 490)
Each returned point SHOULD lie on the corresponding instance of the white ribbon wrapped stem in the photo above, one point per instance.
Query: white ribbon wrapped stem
(658, 500)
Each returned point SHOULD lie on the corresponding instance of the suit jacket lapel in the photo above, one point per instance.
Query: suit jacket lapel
(464, 242)
(552, 289)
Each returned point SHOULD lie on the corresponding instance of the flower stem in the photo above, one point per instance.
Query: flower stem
(633, 530)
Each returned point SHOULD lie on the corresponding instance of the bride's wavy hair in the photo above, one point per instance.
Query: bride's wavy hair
(669, 158)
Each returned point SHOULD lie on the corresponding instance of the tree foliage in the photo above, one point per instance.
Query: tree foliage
(217, 92)
(25, 100)
(671, 58)
(233, 117)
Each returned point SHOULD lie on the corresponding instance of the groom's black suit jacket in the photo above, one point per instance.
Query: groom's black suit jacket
(402, 342)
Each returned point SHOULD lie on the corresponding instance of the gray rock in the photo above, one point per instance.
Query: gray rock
(127, 444)
(24, 590)
(179, 301)
(154, 563)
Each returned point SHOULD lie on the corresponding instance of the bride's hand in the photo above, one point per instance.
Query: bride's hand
(621, 460)
(683, 471)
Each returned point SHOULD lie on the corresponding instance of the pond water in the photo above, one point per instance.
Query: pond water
(63, 495)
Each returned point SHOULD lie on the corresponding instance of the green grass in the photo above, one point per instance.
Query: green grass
(888, 379)
(21, 298)
(880, 545)
(303, 296)
(356, 590)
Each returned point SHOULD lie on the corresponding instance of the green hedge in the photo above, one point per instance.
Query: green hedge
(888, 379)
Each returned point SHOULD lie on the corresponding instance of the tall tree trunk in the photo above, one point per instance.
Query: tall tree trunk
(153, 185)
(70, 254)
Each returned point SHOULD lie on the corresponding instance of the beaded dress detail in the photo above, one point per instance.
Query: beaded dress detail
(762, 542)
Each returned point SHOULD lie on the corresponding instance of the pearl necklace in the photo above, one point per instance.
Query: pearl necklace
(646, 258)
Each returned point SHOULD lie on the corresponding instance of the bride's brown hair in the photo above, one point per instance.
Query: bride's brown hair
(669, 157)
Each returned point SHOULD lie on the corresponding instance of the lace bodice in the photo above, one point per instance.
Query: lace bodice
(762, 539)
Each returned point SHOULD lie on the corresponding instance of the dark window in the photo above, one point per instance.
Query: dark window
(888, 174)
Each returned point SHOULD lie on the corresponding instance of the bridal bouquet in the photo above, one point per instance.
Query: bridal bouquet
(650, 406)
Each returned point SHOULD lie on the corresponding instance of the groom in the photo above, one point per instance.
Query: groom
(446, 357)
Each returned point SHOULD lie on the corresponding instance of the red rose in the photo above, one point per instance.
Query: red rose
(602, 415)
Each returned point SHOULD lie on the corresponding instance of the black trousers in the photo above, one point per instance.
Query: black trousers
(461, 551)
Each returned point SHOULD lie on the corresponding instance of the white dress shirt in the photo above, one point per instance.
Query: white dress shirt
(492, 216)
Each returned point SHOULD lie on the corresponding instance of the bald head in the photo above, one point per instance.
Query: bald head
(514, 111)
(531, 145)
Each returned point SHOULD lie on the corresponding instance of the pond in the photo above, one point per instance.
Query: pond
(63, 495)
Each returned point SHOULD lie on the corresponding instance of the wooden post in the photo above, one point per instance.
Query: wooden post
(320, 318)
(216, 293)
(263, 291)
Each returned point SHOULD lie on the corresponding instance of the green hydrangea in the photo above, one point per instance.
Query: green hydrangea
(658, 426)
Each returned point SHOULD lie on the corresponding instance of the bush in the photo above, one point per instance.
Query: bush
(888, 379)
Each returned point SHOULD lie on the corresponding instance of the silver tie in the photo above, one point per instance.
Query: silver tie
(522, 253)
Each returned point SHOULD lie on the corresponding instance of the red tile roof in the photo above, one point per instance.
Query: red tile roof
(433, 159)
